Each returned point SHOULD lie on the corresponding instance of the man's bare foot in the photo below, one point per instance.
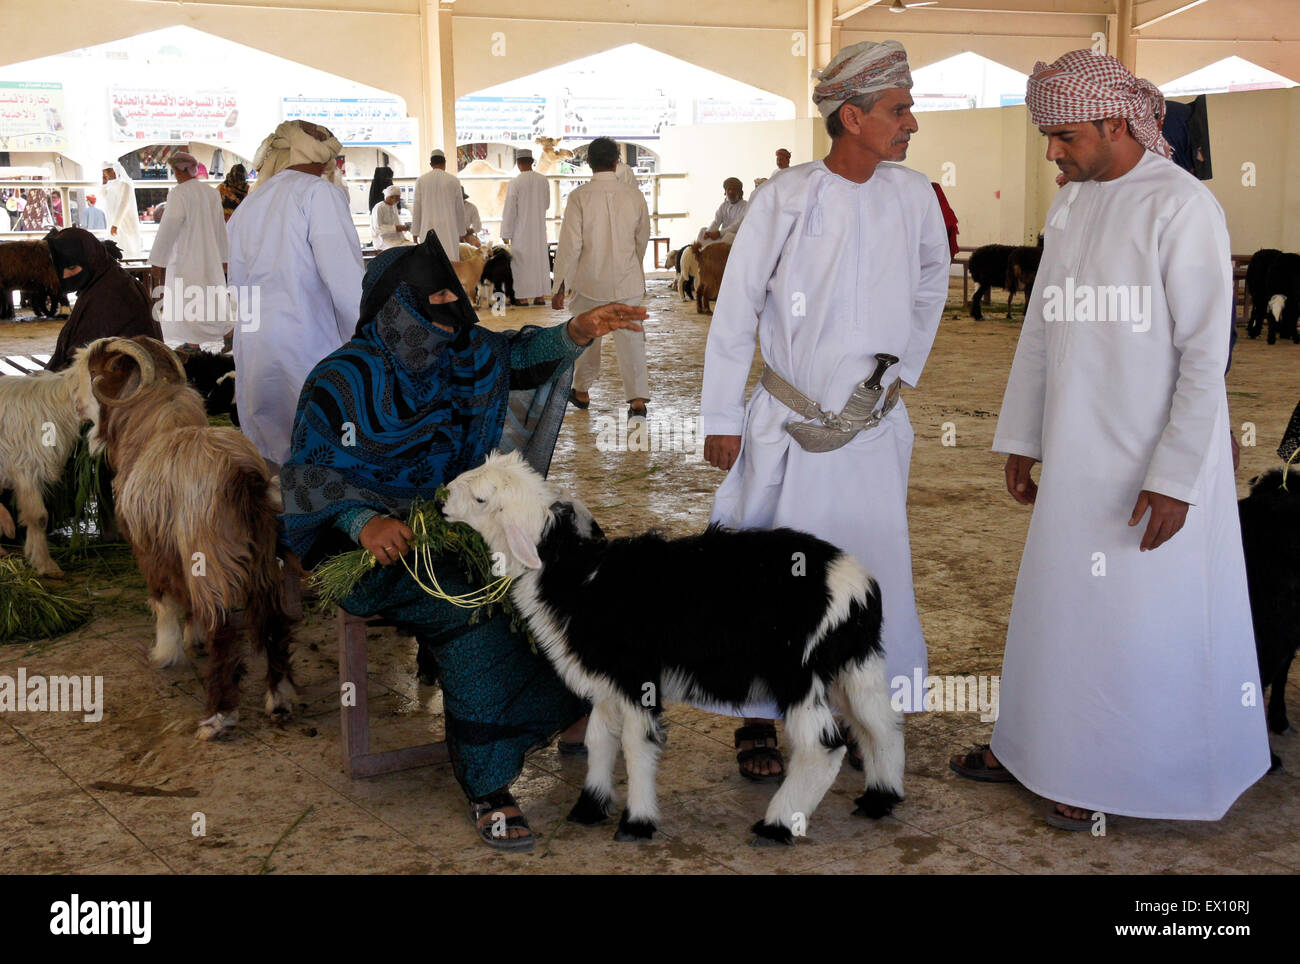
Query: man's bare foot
(1074, 813)
(582, 396)
(761, 764)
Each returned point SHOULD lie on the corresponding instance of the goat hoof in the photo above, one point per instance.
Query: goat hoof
(217, 725)
(771, 835)
(589, 810)
(876, 804)
(1274, 763)
(163, 658)
(633, 831)
(279, 701)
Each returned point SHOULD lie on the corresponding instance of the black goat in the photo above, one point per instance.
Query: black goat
(1270, 535)
(988, 268)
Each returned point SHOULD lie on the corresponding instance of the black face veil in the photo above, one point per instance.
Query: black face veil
(68, 249)
(426, 270)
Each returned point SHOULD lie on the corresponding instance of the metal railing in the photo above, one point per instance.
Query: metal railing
(64, 187)
(557, 201)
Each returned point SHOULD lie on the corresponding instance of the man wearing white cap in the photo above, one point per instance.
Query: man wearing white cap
(386, 228)
(191, 245)
(840, 269)
(1130, 683)
(120, 210)
(295, 264)
(523, 224)
(439, 206)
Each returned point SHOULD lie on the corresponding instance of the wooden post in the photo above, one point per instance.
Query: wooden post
(1125, 42)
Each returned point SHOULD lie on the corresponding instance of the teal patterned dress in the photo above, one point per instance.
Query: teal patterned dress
(399, 410)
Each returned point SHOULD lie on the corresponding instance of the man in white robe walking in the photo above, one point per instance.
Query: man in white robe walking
(727, 219)
(1130, 683)
(295, 266)
(191, 245)
(599, 260)
(439, 206)
(523, 224)
(838, 261)
(120, 209)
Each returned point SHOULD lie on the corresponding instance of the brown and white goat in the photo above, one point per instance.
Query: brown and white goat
(196, 505)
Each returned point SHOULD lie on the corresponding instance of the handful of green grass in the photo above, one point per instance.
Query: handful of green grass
(28, 610)
(436, 540)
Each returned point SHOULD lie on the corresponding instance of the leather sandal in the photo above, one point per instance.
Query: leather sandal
(573, 398)
(500, 800)
(759, 734)
(973, 766)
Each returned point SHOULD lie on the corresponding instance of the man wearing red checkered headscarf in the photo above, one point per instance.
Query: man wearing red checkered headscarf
(1083, 86)
(1129, 684)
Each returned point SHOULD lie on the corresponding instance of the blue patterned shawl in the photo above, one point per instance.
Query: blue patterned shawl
(402, 408)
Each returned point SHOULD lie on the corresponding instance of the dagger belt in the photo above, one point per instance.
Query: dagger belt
(828, 431)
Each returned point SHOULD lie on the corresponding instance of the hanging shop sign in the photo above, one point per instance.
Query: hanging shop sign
(355, 121)
(31, 117)
(157, 116)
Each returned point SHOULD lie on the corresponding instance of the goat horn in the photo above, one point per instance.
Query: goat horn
(159, 350)
(144, 361)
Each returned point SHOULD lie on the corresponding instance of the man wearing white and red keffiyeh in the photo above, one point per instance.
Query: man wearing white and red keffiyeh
(1130, 683)
(837, 260)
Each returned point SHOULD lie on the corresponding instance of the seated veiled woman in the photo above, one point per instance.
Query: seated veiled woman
(420, 394)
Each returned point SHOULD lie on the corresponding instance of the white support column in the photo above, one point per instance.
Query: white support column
(438, 118)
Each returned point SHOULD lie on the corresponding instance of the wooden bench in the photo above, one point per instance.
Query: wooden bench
(358, 761)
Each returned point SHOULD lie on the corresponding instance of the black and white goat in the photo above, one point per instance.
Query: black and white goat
(1257, 288)
(212, 375)
(1282, 287)
(787, 617)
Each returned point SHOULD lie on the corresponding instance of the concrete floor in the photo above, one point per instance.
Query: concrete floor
(274, 799)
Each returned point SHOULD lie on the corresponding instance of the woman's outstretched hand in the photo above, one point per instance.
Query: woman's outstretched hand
(601, 321)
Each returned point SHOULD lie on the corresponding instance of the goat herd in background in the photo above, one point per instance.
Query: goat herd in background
(185, 489)
(1272, 284)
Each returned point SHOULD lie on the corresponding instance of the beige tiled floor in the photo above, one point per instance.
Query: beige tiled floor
(275, 799)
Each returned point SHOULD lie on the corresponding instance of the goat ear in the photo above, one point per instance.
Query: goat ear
(522, 547)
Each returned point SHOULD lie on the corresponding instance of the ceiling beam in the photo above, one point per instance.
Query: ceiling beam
(854, 10)
(1172, 13)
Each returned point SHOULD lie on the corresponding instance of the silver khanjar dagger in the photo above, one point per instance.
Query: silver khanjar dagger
(859, 412)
